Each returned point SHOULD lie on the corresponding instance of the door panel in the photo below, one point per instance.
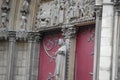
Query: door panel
(48, 46)
(84, 53)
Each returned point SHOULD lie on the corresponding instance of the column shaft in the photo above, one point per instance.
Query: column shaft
(11, 56)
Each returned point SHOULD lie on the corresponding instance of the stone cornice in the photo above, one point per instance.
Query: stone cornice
(77, 22)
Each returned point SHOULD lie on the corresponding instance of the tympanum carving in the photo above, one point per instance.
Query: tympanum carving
(57, 12)
(80, 10)
(50, 13)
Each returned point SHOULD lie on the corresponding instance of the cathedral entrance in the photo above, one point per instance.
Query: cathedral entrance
(85, 53)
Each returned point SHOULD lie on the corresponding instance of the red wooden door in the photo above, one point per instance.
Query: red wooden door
(84, 53)
(48, 46)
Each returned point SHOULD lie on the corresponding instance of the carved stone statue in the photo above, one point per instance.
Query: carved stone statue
(54, 13)
(60, 61)
(4, 16)
(76, 10)
(25, 7)
(24, 14)
(69, 14)
(61, 11)
(23, 22)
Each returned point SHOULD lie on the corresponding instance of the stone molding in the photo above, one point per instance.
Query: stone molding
(20, 36)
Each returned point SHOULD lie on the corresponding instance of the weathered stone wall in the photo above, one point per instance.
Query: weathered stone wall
(20, 67)
(3, 59)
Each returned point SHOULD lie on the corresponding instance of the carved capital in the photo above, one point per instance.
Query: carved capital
(34, 36)
(37, 36)
(3, 33)
(30, 36)
(98, 10)
(12, 35)
(68, 31)
(117, 6)
(21, 35)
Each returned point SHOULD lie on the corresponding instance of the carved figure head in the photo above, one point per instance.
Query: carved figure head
(61, 42)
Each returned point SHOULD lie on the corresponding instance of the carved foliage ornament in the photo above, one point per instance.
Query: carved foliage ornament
(33, 36)
(5, 8)
(21, 35)
(68, 31)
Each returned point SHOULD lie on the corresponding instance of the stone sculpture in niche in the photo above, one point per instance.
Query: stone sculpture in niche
(4, 15)
(60, 61)
(24, 14)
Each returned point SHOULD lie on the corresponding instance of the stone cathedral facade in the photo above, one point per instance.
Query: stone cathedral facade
(30, 31)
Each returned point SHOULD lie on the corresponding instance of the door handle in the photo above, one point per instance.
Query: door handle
(92, 54)
(91, 74)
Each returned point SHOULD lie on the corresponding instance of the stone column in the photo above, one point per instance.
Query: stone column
(29, 55)
(106, 40)
(69, 34)
(35, 57)
(116, 43)
(11, 54)
(98, 10)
